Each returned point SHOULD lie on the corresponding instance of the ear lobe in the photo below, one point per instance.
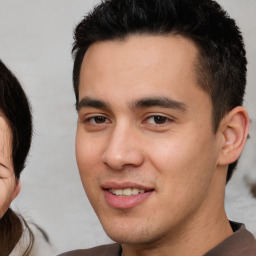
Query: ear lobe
(235, 128)
(17, 189)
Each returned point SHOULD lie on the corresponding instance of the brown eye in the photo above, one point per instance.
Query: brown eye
(157, 120)
(98, 120)
(160, 119)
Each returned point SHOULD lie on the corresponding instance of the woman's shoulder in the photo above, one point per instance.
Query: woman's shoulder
(35, 240)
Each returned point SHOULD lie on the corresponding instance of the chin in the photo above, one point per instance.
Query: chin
(128, 239)
(129, 235)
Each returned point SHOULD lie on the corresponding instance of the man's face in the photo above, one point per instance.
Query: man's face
(145, 147)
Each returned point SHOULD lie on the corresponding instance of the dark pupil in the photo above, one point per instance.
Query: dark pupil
(100, 119)
(159, 119)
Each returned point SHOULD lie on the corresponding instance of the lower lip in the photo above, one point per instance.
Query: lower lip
(125, 202)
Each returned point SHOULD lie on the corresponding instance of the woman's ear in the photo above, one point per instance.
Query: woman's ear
(16, 190)
(234, 129)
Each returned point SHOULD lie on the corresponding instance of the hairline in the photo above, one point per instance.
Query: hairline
(197, 65)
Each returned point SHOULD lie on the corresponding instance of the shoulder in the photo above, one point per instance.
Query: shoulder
(41, 244)
(241, 243)
(34, 240)
(103, 250)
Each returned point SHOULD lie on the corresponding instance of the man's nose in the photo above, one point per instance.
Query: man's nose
(123, 149)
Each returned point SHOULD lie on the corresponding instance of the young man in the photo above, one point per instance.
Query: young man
(159, 86)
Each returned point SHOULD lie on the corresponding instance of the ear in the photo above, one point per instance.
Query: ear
(16, 190)
(234, 129)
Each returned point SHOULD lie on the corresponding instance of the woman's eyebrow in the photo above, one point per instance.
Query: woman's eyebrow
(163, 102)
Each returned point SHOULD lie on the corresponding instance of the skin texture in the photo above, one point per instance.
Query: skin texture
(9, 187)
(126, 139)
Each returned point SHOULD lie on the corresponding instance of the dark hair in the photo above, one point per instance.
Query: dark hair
(15, 108)
(221, 62)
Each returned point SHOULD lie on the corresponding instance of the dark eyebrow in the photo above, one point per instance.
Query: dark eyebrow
(90, 102)
(163, 102)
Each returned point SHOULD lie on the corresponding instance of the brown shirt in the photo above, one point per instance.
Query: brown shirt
(241, 243)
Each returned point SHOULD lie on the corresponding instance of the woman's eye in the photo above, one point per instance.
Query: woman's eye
(98, 120)
(157, 120)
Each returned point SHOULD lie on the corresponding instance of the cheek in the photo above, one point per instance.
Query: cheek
(7, 187)
(3, 197)
(88, 156)
(86, 150)
(88, 162)
(184, 162)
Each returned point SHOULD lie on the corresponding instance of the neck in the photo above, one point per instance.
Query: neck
(196, 235)
(193, 244)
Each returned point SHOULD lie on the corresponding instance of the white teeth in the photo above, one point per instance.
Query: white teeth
(136, 191)
(119, 192)
(126, 191)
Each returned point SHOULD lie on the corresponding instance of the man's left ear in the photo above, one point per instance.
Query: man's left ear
(234, 129)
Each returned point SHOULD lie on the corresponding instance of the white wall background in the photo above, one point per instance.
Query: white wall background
(35, 42)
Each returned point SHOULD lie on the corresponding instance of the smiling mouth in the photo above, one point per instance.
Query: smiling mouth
(126, 191)
(126, 196)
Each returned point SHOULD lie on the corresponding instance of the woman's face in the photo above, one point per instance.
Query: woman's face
(9, 187)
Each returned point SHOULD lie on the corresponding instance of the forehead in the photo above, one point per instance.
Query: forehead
(4, 127)
(5, 142)
(141, 51)
(140, 65)
(5, 131)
